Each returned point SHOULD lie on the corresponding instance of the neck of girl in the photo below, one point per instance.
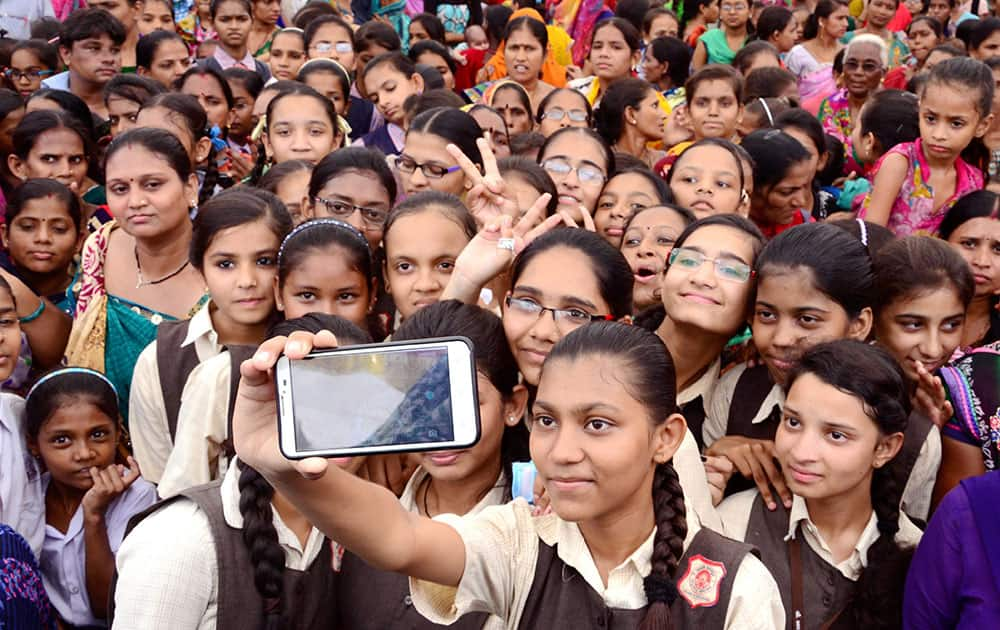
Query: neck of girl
(631, 142)
(237, 53)
(232, 333)
(163, 254)
(459, 496)
(977, 319)
(292, 518)
(693, 349)
(664, 84)
(614, 537)
(732, 33)
(882, 32)
(825, 41)
(61, 503)
(45, 284)
(842, 519)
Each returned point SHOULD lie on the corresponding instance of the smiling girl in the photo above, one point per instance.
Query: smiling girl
(649, 236)
(579, 162)
(840, 550)
(625, 194)
(604, 431)
(709, 178)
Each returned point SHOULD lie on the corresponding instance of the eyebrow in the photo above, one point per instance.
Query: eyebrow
(569, 159)
(577, 410)
(566, 299)
(234, 254)
(800, 309)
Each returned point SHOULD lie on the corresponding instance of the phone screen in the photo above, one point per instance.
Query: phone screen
(345, 400)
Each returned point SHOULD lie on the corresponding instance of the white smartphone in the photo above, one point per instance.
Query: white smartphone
(378, 398)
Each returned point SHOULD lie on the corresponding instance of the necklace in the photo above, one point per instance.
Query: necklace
(142, 283)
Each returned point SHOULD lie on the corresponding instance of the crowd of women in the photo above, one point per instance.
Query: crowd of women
(730, 270)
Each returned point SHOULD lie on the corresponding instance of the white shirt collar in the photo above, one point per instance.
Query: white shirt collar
(200, 327)
(703, 386)
(775, 398)
(228, 61)
(409, 497)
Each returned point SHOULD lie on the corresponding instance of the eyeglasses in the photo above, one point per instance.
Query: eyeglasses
(372, 217)
(588, 174)
(558, 113)
(732, 8)
(341, 47)
(408, 165)
(726, 269)
(867, 67)
(574, 316)
(14, 74)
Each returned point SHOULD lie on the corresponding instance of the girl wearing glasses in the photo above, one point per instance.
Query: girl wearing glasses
(579, 162)
(705, 298)
(720, 45)
(425, 164)
(31, 61)
(563, 108)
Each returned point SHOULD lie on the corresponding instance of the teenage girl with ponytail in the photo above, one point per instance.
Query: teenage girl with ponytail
(241, 556)
(815, 283)
(840, 552)
(603, 433)
(450, 482)
(323, 266)
(234, 246)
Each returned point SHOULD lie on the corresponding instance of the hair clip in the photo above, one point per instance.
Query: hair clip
(864, 231)
(71, 370)
(767, 110)
(326, 221)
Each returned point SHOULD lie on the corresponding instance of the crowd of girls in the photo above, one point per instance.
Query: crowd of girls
(730, 273)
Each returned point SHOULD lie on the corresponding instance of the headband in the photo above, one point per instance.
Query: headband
(315, 223)
(767, 110)
(864, 231)
(71, 370)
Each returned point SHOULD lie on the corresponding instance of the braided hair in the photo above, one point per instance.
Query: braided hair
(873, 376)
(647, 373)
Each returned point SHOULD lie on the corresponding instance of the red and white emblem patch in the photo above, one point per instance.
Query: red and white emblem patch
(702, 582)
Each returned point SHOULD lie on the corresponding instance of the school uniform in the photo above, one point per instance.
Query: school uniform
(388, 139)
(203, 579)
(757, 413)
(693, 400)
(64, 560)
(371, 599)
(538, 572)
(222, 61)
(178, 349)
(202, 446)
(22, 502)
(804, 572)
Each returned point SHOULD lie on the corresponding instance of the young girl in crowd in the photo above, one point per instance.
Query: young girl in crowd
(777, 26)
(244, 556)
(812, 60)
(124, 96)
(356, 186)
(301, 125)
(922, 35)
(389, 79)
(916, 183)
(842, 427)
(756, 55)
(972, 227)
(330, 79)
(72, 426)
(815, 283)
(436, 56)
(447, 482)
(564, 107)
(720, 45)
(31, 60)
(425, 163)
(234, 245)
(625, 194)
(246, 86)
(155, 15)
(289, 182)
(210, 87)
(614, 51)
(782, 178)
(630, 118)
(705, 294)
(665, 64)
(135, 271)
(649, 236)
(266, 14)
(287, 54)
(639, 403)
(580, 163)
(42, 234)
(233, 20)
(709, 178)
(196, 26)
(324, 266)
(162, 56)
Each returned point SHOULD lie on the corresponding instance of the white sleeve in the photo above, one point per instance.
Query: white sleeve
(717, 413)
(694, 483)
(201, 428)
(140, 495)
(735, 513)
(148, 426)
(755, 602)
(167, 572)
(917, 494)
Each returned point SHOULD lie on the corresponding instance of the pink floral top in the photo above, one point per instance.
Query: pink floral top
(913, 210)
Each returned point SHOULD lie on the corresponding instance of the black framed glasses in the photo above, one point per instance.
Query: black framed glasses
(408, 165)
(574, 316)
(372, 217)
(13, 74)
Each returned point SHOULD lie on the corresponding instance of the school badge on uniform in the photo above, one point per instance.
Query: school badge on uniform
(702, 582)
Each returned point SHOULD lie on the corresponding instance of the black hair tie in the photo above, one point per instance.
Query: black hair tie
(659, 589)
(887, 528)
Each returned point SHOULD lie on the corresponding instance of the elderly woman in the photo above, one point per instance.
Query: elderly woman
(864, 68)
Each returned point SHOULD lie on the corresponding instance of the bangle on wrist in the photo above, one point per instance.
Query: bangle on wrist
(35, 315)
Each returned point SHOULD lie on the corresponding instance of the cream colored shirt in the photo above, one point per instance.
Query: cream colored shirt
(687, 459)
(916, 499)
(736, 509)
(167, 568)
(148, 426)
(501, 550)
(197, 456)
